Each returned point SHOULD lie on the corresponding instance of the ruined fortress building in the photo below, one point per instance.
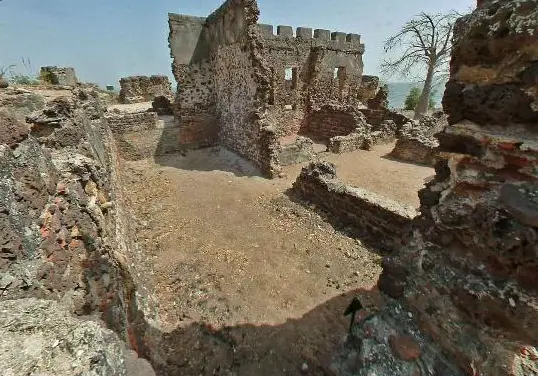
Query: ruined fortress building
(245, 87)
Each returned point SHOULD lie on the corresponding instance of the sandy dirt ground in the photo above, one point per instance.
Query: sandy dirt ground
(375, 171)
(249, 280)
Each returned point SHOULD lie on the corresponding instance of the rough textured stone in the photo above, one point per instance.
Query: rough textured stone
(137, 89)
(471, 272)
(302, 150)
(236, 77)
(12, 131)
(417, 143)
(405, 347)
(49, 341)
(143, 134)
(59, 76)
(62, 228)
(380, 220)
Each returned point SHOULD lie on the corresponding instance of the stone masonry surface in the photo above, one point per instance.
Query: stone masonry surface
(59, 76)
(468, 277)
(138, 89)
(380, 220)
(236, 77)
(64, 236)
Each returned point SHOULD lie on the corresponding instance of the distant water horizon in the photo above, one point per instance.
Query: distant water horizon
(398, 91)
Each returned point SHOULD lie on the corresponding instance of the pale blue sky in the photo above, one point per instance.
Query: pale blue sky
(108, 39)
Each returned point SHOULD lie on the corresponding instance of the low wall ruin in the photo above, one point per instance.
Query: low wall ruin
(137, 89)
(58, 76)
(302, 150)
(141, 135)
(381, 221)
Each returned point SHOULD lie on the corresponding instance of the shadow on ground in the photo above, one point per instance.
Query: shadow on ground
(209, 159)
(393, 159)
(339, 223)
(247, 350)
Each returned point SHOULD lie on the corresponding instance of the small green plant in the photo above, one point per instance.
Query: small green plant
(5, 70)
(29, 77)
(411, 102)
(22, 79)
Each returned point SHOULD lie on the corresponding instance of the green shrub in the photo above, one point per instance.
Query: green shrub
(411, 102)
(22, 79)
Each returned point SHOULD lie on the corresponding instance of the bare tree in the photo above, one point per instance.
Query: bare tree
(425, 43)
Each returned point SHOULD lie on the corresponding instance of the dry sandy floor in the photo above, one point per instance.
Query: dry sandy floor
(250, 282)
(374, 171)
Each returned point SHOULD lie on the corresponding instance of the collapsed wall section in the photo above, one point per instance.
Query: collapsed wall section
(64, 234)
(381, 221)
(469, 276)
(136, 89)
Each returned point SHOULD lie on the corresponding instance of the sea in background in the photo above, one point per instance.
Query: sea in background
(398, 91)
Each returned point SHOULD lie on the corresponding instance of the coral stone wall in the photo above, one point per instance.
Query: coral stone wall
(194, 104)
(303, 73)
(230, 33)
(144, 89)
(64, 233)
(331, 121)
(471, 274)
(236, 77)
(59, 75)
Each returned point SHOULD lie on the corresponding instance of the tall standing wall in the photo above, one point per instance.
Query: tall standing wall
(470, 275)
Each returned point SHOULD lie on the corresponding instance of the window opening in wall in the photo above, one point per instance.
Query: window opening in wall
(290, 75)
(341, 76)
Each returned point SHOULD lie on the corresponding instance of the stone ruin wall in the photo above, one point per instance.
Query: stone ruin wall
(232, 88)
(232, 32)
(137, 89)
(310, 57)
(380, 221)
(59, 75)
(222, 80)
(469, 276)
(65, 234)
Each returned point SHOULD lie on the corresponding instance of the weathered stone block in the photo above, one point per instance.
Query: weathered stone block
(302, 150)
(322, 34)
(285, 31)
(266, 30)
(144, 88)
(338, 36)
(58, 76)
(353, 38)
(304, 32)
